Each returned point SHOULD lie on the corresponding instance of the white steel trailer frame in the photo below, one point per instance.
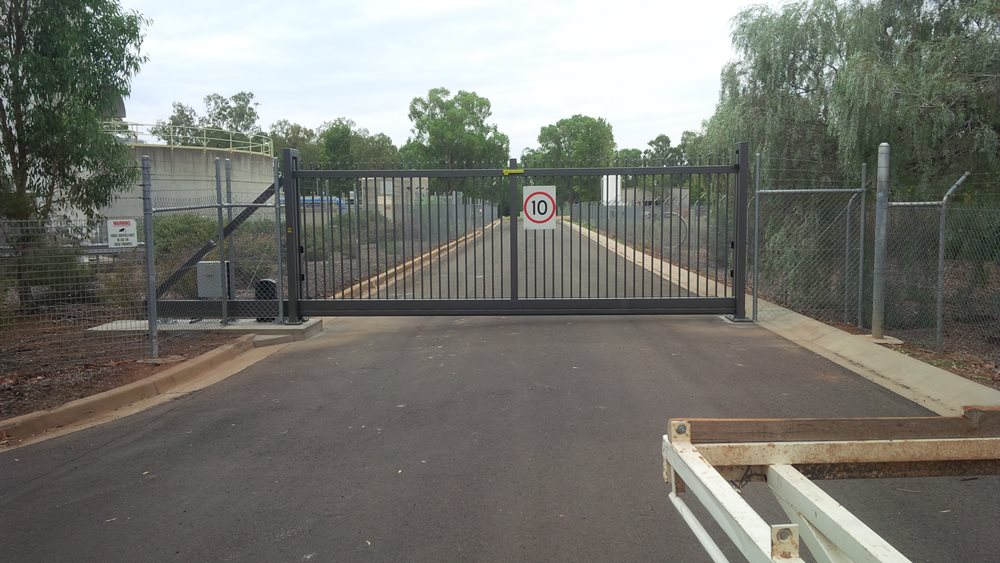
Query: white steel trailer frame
(713, 458)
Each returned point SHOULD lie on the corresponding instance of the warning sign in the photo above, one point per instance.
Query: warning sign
(122, 233)
(539, 207)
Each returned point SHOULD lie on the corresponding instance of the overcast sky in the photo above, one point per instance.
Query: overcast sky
(647, 66)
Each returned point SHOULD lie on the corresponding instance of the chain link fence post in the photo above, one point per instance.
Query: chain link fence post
(147, 227)
(223, 273)
(861, 244)
(881, 230)
(939, 314)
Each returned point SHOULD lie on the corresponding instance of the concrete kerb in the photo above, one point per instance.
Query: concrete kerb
(935, 389)
(164, 382)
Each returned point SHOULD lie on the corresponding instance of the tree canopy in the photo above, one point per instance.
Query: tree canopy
(63, 66)
(227, 122)
(452, 131)
(826, 81)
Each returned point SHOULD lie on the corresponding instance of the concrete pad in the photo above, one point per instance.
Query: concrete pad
(262, 340)
(308, 328)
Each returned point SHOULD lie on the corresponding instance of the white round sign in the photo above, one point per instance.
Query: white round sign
(539, 207)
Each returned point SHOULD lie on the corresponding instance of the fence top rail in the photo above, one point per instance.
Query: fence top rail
(530, 172)
(814, 191)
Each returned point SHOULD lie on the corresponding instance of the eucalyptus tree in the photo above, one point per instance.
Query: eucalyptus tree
(575, 142)
(64, 65)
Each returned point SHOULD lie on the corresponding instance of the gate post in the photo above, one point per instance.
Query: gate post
(293, 244)
(740, 237)
(515, 205)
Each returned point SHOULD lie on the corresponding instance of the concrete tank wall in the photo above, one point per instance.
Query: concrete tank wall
(186, 176)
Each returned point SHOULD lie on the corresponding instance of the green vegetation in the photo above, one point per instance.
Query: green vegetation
(63, 66)
(826, 81)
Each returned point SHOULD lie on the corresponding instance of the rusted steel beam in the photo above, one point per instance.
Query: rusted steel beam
(976, 422)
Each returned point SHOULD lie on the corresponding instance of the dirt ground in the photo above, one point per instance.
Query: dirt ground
(31, 385)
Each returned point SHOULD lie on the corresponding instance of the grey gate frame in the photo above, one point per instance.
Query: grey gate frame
(303, 293)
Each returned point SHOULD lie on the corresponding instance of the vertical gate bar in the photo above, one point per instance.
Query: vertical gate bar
(447, 239)
(663, 256)
(352, 236)
(413, 240)
(697, 230)
(697, 250)
(312, 239)
(623, 240)
(740, 209)
(402, 230)
(635, 241)
(434, 239)
(465, 243)
(150, 247)
(712, 244)
(645, 185)
(322, 228)
(562, 251)
(531, 266)
(304, 268)
(289, 165)
(500, 217)
(618, 202)
(280, 293)
(430, 246)
(368, 239)
(569, 257)
(223, 266)
(382, 275)
(607, 231)
(756, 233)
(395, 241)
(475, 251)
(597, 251)
(340, 239)
(861, 242)
(514, 207)
(579, 250)
(670, 235)
(737, 212)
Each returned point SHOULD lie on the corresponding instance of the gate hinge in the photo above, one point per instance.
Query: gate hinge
(732, 273)
(732, 244)
(302, 277)
(302, 249)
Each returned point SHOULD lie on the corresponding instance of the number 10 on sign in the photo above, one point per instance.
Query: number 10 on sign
(539, 207)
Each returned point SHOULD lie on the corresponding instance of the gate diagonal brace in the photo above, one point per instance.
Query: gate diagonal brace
(714, 458)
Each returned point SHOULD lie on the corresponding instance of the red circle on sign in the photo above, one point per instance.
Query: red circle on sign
(547, 217)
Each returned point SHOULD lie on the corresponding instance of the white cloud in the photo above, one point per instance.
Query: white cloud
(648, 67)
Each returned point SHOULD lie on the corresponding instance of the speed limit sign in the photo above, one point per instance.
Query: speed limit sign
(539, 207)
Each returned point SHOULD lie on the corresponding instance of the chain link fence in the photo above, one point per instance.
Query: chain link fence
(813, 236)
(961, 284)
(59, 283)
(199, 280)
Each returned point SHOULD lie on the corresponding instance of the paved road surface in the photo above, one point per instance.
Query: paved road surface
(559, 263)
(454, 439)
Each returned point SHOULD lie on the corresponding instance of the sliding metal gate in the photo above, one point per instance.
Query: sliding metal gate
(640, 240)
